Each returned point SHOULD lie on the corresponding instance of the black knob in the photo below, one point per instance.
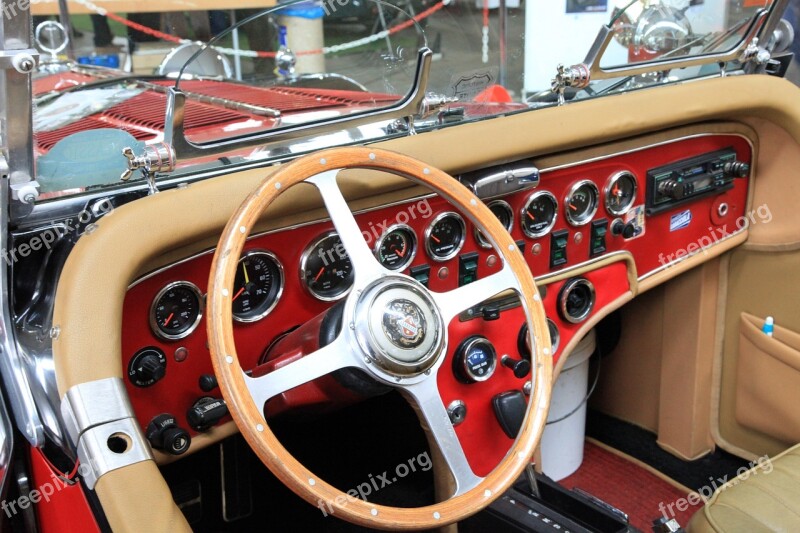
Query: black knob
(490, 313)
(147, 366)
(208, 382)
(520, 367)
(629, 230)
(672, 189)
(206, 412)
(164, 434)
(617, 227)
(737, 169)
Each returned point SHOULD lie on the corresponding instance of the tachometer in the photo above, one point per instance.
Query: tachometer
(504, 214)
(539, 214)
(326, 269)
(176, 310)
(397, 247)
(620, 193)
(257, 287)
(581, 203)
(445, 236)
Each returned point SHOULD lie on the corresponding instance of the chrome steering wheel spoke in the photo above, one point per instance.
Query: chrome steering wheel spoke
(454, 302)
(425, 395)
(335, 356)
(366, 267)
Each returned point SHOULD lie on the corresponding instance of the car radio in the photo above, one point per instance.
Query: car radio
(686, 180)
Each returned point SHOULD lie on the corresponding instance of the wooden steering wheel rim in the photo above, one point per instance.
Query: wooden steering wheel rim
(249, 417)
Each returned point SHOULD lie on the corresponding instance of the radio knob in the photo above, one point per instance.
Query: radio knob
(672, 189)
(737, 169)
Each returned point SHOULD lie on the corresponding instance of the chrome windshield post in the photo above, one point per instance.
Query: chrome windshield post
(17, 194)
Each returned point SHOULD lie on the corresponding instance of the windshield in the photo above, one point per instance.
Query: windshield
(230, 87)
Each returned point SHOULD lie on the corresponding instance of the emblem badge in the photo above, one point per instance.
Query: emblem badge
(404, 324)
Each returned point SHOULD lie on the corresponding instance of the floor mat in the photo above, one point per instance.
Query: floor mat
(629, 487)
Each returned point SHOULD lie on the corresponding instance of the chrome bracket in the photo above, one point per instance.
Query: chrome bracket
(576, 76)
(100, 423)
(158, 157)
(23, 188)
(23, 61)
(755, 56)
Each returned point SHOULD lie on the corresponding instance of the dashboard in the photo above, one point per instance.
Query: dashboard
(588, 230)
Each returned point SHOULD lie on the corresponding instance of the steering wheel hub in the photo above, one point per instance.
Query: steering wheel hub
(399, 327)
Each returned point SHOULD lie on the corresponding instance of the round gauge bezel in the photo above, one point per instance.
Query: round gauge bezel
(303, 263)
(570, 286)
(429, 230)
(586, 217)
(607, 192)
(409, 257)
(533, 197)
(156, 328)
(465, 367)
(555, 336)
(281, 280)
(479, 238)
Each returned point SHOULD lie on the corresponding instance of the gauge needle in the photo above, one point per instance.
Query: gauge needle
(319, 274)
(238, 294)
(530, 216)
(573, 207)
(166, 322)
(435, 239)
(246, 277)
(400, 253)
(615, 190)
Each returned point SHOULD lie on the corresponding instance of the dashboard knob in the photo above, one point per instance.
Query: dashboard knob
(672, 189)
(147, 367)
(617, 227)
(164, 434)
(737, 169)
(629, 230)
(520, 367)
(206, 412)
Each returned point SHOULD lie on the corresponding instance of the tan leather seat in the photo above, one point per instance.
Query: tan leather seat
(766, 498)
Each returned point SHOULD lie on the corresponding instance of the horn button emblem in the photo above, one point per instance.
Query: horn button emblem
(404, 323)
(399, 328)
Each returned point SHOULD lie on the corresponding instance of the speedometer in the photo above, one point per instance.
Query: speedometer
(326, 269)
(257, 287)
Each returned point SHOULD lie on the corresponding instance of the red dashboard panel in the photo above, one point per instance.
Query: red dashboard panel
(660, 241)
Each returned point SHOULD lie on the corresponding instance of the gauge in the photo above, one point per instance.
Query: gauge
(620, 193)
(581, 203)
(326, 269)
(445, 236)
(503, 212)
(176, 310)
(397, 247)
(539, 214)
(475, 360)
(257, 287)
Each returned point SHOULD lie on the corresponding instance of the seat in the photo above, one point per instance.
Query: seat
(765, 498)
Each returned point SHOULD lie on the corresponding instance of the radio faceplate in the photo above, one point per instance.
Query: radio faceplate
(693, 178)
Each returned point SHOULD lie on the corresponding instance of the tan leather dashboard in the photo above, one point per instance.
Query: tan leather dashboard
(106, 261)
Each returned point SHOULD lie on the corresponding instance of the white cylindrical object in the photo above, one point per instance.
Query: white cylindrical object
(562, 442)
(305, 34)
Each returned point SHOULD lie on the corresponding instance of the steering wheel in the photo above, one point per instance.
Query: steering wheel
(394, 330)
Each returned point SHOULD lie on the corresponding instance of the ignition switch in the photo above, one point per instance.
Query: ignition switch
(164, 434)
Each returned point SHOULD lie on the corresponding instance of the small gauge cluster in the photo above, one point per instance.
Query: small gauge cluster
(178, 307)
